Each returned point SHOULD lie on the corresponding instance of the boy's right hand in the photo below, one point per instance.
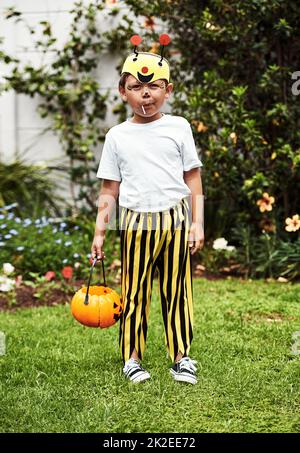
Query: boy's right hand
(97, 247)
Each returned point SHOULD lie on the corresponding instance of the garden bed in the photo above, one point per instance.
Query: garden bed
(25, 295)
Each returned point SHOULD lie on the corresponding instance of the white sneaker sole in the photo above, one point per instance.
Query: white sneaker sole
(183, 377)
(139, 377)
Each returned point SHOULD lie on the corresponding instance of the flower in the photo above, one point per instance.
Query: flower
(5, 287)
(210, 26)
(265, 203)
(77, 265)
(18, 280)
(13, 231)
(293, 224)
(220, 244)
(6, 284)
(67, 272)
(111, 2)
(8, 268)
(149, 23)
(20, 248)
(201, 127)
(68, 243)
(230, 248)
(282, 280)
(233, 137)
(49, 275)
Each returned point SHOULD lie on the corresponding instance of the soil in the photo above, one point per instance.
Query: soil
(25, 297)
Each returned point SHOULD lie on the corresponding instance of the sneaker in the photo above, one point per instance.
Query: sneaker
(134, 371)
(185, 370)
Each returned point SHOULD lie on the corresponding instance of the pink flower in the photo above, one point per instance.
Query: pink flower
(18, 280)
(49, 275)
(67, 272)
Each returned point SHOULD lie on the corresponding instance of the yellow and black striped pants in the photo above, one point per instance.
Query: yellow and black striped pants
(149, 241)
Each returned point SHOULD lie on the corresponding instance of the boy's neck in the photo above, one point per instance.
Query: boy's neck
(143, 120)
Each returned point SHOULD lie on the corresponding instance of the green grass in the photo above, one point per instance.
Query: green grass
(58, 376)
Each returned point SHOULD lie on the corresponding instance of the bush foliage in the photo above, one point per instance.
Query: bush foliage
(234, 68)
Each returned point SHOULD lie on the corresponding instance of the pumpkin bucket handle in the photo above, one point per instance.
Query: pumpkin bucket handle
(86, 300)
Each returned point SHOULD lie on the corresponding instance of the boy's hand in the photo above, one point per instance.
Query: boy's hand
(97, 247)
(196, 237)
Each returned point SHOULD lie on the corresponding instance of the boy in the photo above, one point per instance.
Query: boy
(150, 162)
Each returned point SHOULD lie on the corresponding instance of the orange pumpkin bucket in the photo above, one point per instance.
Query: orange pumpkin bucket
(96, 306)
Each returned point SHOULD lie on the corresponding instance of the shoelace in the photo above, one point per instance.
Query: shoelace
(132, 365)
(188, 363)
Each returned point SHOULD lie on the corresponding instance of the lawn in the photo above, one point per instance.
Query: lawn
(58, 376)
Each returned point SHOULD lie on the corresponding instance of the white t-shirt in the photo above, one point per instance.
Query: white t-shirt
(149, 161)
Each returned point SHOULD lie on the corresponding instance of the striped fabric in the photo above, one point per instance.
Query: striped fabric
(149, 241)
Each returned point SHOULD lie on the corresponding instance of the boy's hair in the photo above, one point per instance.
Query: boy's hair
(124, 77)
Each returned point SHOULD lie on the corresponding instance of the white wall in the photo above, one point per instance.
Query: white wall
(20, 125)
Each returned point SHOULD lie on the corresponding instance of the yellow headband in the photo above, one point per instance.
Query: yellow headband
(145, 66)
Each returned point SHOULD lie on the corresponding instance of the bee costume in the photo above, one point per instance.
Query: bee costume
(149, 161)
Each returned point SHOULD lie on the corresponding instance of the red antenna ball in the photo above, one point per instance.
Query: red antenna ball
(135, 40)
(164, 39)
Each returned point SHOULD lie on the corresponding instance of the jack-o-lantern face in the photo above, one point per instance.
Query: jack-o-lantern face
(102, 309)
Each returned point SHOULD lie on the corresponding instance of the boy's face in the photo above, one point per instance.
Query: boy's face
(150, 95)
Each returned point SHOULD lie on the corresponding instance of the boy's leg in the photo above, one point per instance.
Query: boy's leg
(175, 282)
(140, 245)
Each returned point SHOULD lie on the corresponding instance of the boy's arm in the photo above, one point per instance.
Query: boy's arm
(192, 178)
(106, 206)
